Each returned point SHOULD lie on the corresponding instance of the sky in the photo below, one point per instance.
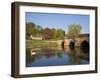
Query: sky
(60, 21)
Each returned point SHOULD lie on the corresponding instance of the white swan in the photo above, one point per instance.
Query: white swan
(32, 52)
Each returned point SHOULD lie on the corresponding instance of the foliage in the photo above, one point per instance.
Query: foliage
(53, 33)
(45, 33)
(32, 29)
(29, 28)
(73, 30)
(60, 34)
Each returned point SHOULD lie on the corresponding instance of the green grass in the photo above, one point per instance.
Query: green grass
(40, 43)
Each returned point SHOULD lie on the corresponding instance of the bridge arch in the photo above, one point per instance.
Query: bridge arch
(82, 40)
(84, 43)
(71, 43)
(84, 46)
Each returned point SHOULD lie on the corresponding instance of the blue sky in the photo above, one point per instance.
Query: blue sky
(59, 20)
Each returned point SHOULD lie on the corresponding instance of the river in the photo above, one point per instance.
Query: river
(38, 57)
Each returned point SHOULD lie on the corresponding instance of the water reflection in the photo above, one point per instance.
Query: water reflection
(56, 56)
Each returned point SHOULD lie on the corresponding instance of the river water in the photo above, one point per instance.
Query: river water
(38, 57)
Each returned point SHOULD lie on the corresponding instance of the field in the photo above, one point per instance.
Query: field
(40, 43)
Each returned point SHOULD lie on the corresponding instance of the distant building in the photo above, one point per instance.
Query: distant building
(36, 38)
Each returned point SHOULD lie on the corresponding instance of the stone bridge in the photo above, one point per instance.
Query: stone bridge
(81, 40)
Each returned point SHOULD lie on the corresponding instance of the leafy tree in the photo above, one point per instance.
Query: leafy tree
(54, 33)
(60, 34)
(39, 30)
(47, 33)
(73, 30)
(33, 29)
(29, 29)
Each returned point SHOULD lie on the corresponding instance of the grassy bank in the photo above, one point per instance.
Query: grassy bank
(40, 43)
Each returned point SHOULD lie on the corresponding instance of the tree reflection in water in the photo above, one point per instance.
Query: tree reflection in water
(56, 56)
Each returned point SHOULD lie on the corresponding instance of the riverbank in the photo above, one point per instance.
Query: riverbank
(40, 43)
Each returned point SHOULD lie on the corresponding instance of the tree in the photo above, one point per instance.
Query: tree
(54, 33)
(47, 33)
(74, 30)
(33, 29)
(39, 30)
(29, 29)
(57, 33)
(60, 33)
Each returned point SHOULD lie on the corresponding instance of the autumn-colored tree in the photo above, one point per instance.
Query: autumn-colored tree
(47, 33)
